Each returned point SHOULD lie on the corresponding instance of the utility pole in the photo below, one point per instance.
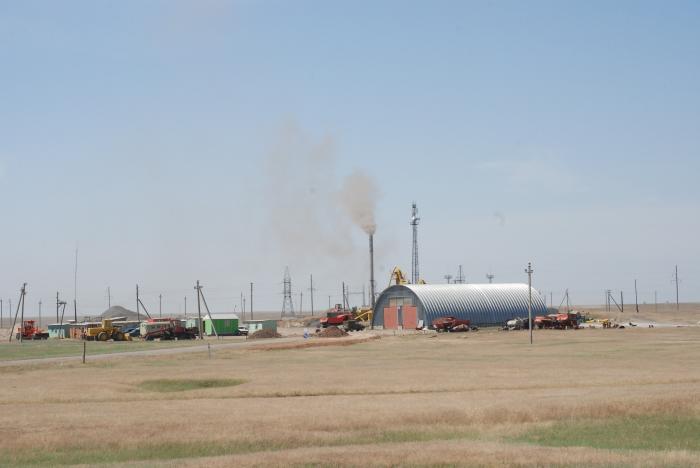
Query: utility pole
(490, 277)
(160, 305)
(568, 308)
(678, 306)
(200, 325)
(22, 293)
(39, 313)
(529, 272)
(448, 277)
(636, 300)
(185, 306)
(251, 301)
(301, 303)
(138, 302)
(329, 302)
(656, 303)
(622, 302)
(75, 287)
(311, 290)
(109, 297)
(21, 320)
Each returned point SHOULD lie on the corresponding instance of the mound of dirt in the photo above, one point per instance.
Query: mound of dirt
(265, 334)
(332, 332)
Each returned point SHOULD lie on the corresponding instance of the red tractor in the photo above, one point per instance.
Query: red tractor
(451, 324)
(566, 321)
(29, 331)
(341, 318)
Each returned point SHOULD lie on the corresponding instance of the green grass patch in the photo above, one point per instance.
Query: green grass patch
(652, 432)
(63, 348)
(183, 385)
(75, 455)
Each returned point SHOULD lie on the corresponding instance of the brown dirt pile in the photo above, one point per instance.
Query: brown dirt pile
(264, 334)
(332, 332)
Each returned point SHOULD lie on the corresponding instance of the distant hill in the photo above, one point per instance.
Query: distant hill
(119, 311)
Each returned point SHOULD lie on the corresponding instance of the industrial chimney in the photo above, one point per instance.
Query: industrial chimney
(371, 269)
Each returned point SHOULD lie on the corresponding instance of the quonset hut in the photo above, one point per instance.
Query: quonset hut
(406, 305)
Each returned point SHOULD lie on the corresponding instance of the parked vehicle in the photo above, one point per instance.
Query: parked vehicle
(29, 331)
(133, 332)
(341, 318)
(167, 329)
(448, 324)
(106, 331)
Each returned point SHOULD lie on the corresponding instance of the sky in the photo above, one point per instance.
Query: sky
(222, 141)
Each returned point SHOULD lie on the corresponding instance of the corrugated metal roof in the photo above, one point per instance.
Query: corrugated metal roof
(480, 303)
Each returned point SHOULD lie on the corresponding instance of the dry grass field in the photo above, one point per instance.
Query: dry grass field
(575, 398)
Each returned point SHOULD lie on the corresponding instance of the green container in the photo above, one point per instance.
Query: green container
(224, 324)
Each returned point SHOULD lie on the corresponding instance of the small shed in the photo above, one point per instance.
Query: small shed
(256, 325)
(59, 330)
(224, 324)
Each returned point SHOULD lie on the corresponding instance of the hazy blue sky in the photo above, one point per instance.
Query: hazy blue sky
(174, 141)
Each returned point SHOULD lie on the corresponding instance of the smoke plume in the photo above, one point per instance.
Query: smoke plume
(310, 209)
(358, 198)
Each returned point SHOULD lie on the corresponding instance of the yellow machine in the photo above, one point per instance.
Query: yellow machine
(364, 314)
(397, 277)
(106, 332)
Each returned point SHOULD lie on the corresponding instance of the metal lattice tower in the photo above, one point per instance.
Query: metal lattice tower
(287, 303)
(415, 275)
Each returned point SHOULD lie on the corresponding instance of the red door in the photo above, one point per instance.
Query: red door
(391, 318)
(410, 317)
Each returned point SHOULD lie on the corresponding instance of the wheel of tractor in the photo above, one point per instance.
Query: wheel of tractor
(102, 336)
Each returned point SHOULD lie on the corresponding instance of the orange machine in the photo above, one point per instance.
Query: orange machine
(29, 331)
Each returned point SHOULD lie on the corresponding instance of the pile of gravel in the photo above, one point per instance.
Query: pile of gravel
(332, 332)
(265, 334)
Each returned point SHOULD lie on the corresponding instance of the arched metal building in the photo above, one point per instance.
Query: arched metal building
(405, 305)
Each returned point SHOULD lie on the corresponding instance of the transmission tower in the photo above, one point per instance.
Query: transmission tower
(287, 304)
(460, 276)
(490, 277)
(414, 263)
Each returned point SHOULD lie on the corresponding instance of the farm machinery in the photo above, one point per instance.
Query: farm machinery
(452, 324)
(167, 329)
(29, 331)
(344, 318)
(106, 331)
(557, 321)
